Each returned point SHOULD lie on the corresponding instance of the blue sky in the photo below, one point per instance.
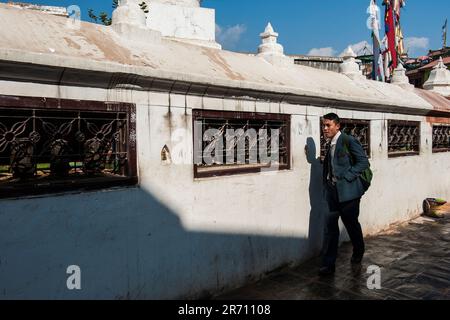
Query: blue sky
(328, 26)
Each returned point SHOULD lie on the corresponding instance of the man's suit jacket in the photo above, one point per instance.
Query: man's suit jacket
(347, 170)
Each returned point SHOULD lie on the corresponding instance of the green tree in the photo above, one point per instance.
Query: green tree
(104, 18)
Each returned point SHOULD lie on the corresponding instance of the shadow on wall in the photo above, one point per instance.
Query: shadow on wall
(129, 245)
(319, 207)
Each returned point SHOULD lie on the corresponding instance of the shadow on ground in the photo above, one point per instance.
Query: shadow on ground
(414, 260)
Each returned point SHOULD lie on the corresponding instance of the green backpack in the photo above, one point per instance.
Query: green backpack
(367, 175)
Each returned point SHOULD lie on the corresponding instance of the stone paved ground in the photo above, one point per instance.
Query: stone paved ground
(414, 258)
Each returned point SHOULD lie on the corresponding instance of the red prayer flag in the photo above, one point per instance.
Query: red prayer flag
(390, 33)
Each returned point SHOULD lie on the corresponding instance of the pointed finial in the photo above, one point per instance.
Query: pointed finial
(400, 78)
(269, 28)
(269, 33)
(439, 79)
(350, 66)
(440, 64)
(349, 53)
(270, 49)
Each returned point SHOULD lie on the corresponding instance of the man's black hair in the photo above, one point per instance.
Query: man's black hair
(333, 117)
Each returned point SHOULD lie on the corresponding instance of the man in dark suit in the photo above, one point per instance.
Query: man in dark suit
(344, 162)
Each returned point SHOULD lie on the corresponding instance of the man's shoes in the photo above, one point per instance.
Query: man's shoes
(327, 271)
(356, 259)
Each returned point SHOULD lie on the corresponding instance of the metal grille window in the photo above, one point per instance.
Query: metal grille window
(360, 129)
(403, 138)
(441, 138)
(51, 145)
(227, 143)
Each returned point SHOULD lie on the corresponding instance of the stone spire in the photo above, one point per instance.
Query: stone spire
(400, 78)
(129, 21)
(439, 80)
(270, 49)
(350, 67)
(183, 20)
(269, 42)
(129, 12)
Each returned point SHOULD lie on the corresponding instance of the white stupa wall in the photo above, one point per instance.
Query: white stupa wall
(183, 19)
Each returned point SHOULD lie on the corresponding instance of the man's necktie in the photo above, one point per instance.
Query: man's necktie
(330, 165)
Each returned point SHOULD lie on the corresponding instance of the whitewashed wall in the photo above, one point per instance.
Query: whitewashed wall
(175, 236)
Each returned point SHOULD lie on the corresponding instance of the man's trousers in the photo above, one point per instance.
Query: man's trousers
(349, 213)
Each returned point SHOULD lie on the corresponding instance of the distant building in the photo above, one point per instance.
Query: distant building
(318, 62)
